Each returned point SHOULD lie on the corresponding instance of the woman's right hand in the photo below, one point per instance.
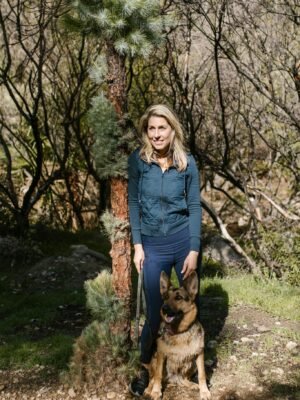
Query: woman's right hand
(139, 257)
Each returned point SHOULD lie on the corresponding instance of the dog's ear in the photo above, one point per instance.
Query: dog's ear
(191, 285)
(164, 284)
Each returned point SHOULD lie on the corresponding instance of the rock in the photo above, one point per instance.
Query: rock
(80, 250)
(233, 358)
(247, 340)
(71, 393)
(291, 346)
(220, 250)
(111, 395)
(278, 371)
(263, 329)
(62, 267)
(265, 372)
(2, 387)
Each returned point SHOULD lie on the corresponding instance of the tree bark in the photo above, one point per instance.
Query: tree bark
(120, 251)
(116, 80)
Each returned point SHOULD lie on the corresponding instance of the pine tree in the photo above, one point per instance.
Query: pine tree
(126, 29)
(100, 348)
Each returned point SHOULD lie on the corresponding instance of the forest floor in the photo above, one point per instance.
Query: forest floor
(253, 359)
(250, 353)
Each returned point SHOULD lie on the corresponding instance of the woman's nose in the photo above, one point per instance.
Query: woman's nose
(156, 133)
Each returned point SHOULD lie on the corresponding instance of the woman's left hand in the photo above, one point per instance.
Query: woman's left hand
(190, 264)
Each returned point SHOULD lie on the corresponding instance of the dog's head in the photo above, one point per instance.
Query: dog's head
(179, 310)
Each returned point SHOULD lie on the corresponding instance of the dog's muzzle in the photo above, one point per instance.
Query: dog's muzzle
(169, 314)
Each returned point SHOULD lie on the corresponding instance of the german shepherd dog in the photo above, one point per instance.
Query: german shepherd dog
(180, 347)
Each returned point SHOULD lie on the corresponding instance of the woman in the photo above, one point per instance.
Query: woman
(165, 217)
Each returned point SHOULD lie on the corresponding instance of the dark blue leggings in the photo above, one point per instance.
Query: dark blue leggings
(161, 254)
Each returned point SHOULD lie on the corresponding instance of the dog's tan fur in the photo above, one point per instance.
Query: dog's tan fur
(180, 348)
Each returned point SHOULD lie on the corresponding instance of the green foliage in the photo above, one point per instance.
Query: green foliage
(24, 315)
(272, 296)
(133, 27)
(32, 328)
(6, 219)
(130, 28)
(22, 309)
(115, 228)
(52, 351)
(282, 244)
(212, 268)
(98, 70)
(99, 334)
(130, 368)
(108, 148)
(101, 299)
(102, 346)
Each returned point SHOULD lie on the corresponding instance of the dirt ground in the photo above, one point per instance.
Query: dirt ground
(251, 357)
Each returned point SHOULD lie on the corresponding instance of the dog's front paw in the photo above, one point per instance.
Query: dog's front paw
(147, 393)
(205, 394)
(154, 394)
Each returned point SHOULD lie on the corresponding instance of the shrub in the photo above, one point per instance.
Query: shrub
(282, 244)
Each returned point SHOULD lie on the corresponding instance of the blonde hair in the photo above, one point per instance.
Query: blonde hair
(177, 150)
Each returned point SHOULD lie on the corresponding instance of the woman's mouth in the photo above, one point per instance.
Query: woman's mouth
(158, 143)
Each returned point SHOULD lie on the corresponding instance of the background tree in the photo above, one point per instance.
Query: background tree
(46, 165)
(235, 92)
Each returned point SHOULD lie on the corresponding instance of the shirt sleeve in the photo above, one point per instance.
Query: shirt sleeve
(194, 204)
(133, 197)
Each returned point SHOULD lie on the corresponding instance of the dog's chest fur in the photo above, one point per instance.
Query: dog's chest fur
(181, 350)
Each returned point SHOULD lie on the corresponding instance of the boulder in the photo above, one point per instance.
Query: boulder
(219, 249)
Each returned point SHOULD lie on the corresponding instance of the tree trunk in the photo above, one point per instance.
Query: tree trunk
(120, 251)
(116, 80)
(22, 223)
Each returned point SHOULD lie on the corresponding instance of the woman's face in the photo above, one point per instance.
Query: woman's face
(160, 134)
